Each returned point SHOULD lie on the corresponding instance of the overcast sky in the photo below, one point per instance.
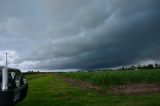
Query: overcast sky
(79, 34)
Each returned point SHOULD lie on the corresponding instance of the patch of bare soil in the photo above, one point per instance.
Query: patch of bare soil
(82, 84)
(131, 89)
(134, 89)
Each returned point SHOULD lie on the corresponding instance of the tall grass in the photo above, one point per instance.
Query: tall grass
(117, 77)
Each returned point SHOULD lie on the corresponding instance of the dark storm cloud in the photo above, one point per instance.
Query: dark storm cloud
(99, 34)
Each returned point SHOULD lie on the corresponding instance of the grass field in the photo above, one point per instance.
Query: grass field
(50, 90)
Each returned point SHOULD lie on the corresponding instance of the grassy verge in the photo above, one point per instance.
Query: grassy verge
(111, 78)
(47, 90)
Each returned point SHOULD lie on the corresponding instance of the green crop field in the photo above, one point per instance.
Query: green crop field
(111, 78)
(50, 90)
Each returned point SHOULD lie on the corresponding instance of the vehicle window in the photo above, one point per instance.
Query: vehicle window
(18, 78)
(18, 75)
(11, 80)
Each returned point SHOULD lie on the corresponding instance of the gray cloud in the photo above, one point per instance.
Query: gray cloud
(93, 34)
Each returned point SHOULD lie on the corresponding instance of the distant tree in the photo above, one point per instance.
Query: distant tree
(156, 65)
(123, 68)
(139, 67)
(150, 66)
(132, 67)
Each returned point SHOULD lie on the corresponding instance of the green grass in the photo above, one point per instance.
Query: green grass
(111, 78)
(47, 90)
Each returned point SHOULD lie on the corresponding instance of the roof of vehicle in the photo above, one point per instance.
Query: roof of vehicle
(10, 69)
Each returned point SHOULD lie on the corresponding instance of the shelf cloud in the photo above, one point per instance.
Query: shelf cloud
(81, 34)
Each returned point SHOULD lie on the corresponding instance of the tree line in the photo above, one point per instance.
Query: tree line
(149, 66)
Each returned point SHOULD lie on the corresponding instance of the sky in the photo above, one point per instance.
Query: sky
(79, 34)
